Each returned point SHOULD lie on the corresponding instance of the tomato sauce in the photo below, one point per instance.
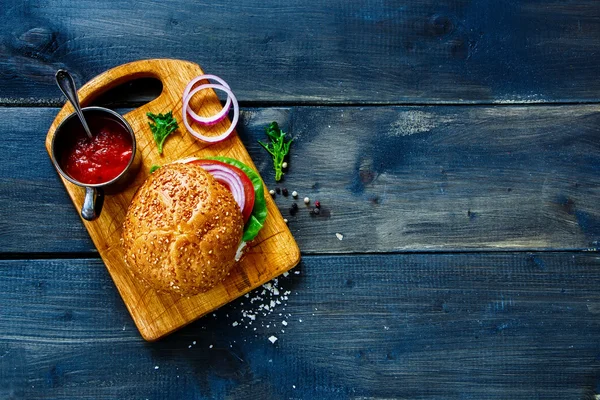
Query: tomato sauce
(101, 158)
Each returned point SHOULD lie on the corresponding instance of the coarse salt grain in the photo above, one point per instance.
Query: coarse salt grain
(271, 296)
(272, 339)
(339, 236)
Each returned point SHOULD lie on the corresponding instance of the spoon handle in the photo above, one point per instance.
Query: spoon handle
(65, 82)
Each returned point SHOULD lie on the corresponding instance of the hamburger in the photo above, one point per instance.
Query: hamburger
(189, 222)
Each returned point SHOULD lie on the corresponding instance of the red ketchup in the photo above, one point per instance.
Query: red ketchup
(102, 158)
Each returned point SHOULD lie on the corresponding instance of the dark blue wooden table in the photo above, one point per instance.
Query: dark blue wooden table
(454, 146)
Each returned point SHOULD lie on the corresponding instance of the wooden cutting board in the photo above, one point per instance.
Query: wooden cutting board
(274, 250)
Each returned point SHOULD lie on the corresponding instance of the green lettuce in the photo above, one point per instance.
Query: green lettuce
(259, 212)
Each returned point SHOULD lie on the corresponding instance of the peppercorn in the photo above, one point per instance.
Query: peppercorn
(306, 200)
(278, 190)
(294, 194)
(272, 192)
(284, 191)
(318, 204)
(316, 211)
(294, 209)
(284, 165)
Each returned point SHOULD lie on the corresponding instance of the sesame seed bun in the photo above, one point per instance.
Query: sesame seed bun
(182, 230)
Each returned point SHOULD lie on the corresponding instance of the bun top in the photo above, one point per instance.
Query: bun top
(182, 230)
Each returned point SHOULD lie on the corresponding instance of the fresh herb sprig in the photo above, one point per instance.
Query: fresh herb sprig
(163, 125)
(278, 148)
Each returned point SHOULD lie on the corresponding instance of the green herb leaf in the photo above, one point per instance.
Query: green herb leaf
(154, 168)
(278, 148)
(162, 125)
(259, 211)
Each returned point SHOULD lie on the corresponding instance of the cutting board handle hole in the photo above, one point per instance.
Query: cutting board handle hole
(134, 93)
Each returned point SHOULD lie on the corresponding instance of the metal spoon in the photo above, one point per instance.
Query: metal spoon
(65, 82)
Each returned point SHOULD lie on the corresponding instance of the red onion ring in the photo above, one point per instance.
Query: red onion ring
(236, 113)
(230, 179)
(218, 117)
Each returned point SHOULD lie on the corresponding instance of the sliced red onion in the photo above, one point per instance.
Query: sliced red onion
(236, 113)
(218, 117)
(230, 179)
(240, 251)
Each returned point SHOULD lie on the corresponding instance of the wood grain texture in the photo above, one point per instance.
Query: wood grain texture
(271, 253)
(437, 326)
(413, 51)
(388, 178)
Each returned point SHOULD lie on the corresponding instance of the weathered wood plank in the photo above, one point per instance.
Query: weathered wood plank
(33, 201)
(428, 326)
(414, 51)
(388, 178)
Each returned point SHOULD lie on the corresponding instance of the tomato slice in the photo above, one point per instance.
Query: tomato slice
(246, 182)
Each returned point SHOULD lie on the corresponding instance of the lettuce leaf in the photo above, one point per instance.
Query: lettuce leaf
(259, 212)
